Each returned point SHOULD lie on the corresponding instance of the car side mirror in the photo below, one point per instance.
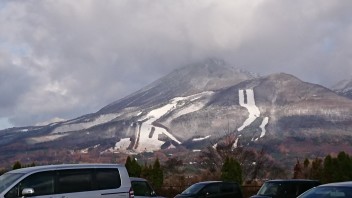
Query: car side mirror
(27, 192)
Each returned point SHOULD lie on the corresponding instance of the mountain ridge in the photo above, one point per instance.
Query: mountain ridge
(258, 110)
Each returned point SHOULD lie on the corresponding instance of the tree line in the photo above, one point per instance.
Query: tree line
(327, 170)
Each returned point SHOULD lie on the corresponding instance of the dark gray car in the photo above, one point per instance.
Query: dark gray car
(285, 188)
(142, 188)
(212, 189)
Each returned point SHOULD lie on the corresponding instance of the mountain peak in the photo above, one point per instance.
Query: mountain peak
(207, 75)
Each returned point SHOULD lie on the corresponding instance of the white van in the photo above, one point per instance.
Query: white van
(67, 181)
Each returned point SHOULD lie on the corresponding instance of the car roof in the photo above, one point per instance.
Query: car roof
(137, 179)
(211, 182)
(63, 166)
(291, 180)
(342, 184)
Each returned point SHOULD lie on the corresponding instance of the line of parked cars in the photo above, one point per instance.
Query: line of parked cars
(74, 181)
(112, 180)
(287, 188)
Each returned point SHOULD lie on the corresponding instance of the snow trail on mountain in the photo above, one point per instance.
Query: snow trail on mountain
(249, 104)
(262, 126)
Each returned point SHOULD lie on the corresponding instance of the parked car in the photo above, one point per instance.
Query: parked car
(142, 188)
(340, 190)
(212, 189)
(285, 188)
(69, 180)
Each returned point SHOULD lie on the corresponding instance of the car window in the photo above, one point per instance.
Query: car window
(42, 184)
(74, 181)
(107, 179)
(195, 188)
(141, 188)
(268, 189)
(7, 179)
(210, 189)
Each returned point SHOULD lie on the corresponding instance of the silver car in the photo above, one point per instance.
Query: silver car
(67, 181)
(331, 190)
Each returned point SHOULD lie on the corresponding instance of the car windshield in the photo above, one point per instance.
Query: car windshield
(7, 180)
(193, 189)
(269, 189)
(328, 192)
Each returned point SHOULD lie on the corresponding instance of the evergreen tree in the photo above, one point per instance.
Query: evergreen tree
(317, 169)
(306, 164)
(298, 171)
(146, 172)
(231, 171)
(17, 165)
(345, 167)
(157, 175)
(133, 168)
(328, 170)
(136, 169)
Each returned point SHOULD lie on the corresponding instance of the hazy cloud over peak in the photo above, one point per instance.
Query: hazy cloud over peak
(62, 59)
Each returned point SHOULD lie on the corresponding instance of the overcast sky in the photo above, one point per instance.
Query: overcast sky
(63, 59)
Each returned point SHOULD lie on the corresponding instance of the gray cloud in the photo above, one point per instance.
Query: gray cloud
(67, 58)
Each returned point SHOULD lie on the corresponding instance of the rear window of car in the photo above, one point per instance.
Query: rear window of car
(141, 188)
(107, 178)
(75, 181)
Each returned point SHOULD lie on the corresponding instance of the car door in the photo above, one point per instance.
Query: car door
(42, 183)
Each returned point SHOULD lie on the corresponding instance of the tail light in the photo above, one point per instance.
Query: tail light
(131, 192)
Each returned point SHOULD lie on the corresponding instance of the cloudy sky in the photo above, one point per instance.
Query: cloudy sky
(63, 59)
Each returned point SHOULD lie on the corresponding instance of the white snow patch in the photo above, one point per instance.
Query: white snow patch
(46, 138)
(122, 144)
(84, 151)
(262, 126)
(235, 144)
(190, 109)
(50, 122)
(84, 125)
(147, 143)
(171, 147)
(196, 150)
(200, 139)
(253, 110)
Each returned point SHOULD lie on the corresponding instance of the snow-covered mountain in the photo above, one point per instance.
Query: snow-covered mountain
(194, 107)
